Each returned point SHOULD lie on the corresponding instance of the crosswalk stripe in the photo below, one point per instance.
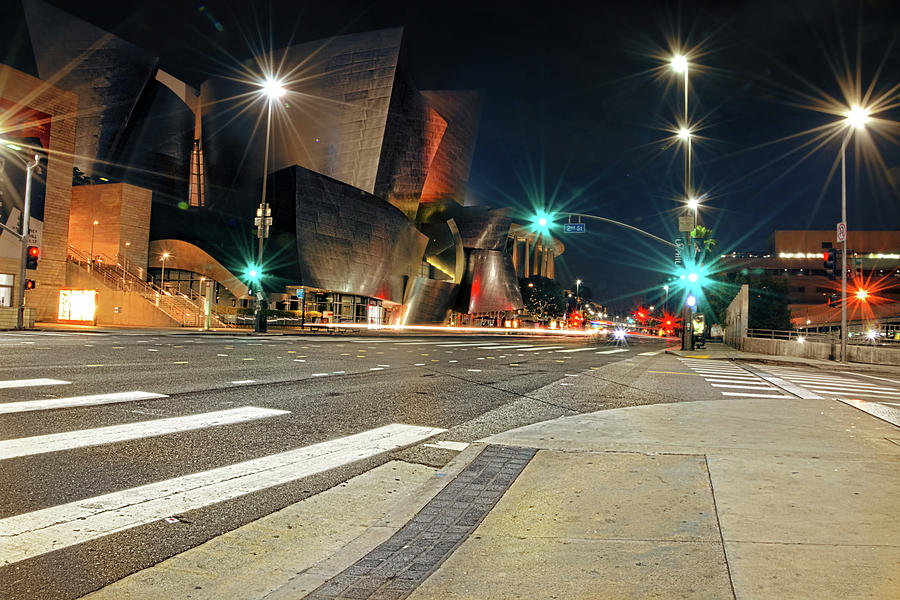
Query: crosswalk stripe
(541, 348)
(578, 349)
(853, 386)
(613, 351)
(743, 395)
(132, 431)
(742, 381)
(51, 403)
(17, 383)
(847, 392)
(653, 353)
(744, 386)
(503, 346)
(41, 531)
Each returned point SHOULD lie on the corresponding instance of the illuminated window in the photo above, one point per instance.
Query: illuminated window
(77, 305)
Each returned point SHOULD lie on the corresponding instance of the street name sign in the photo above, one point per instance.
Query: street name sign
(573, 228)
(679, 252)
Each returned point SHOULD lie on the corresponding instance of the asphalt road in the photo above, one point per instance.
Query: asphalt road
(65, 528)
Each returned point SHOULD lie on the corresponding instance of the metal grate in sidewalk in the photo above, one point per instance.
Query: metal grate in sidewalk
(394, 569)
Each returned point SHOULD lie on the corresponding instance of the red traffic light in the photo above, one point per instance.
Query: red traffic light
(29, 284)
(34, 251)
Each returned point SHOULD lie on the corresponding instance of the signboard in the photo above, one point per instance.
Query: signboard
(573, 228)
(841, 232)
(679, 252)
(685, 224)
(301, 293)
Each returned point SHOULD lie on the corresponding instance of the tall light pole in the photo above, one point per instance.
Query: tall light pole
(679, 64)
(273, 89)
(162, 278)
(26, 218)
(91, 261)
(855, 118)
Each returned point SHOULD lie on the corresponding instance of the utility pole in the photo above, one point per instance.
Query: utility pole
(26, 218)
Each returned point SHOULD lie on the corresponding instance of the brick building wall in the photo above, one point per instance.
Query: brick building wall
(122, 212)
(36, 94)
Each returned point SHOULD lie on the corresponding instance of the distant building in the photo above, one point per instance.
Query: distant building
(873, 263)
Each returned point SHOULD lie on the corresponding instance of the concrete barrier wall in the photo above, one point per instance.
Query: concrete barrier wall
(823, 351)
(115, 307)
(737, 317)
(9, 315)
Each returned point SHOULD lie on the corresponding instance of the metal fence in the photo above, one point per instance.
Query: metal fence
(883, 335)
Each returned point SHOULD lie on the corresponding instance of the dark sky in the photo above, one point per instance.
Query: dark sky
(577, 100)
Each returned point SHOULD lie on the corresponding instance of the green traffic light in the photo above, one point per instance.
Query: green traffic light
(542, 221)
(253, 272)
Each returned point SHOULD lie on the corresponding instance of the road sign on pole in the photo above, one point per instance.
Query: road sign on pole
(679, 252)
(685, 224)
(841, 232)
(573, 228)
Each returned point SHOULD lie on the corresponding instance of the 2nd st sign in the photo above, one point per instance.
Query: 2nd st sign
(573, 228)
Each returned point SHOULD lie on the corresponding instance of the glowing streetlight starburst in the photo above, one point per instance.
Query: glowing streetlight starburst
(273, 88)
(684, 134)
(857, 116)
(679, 63)
(693, 203)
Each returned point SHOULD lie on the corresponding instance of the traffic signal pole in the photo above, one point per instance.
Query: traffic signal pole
(26, 219)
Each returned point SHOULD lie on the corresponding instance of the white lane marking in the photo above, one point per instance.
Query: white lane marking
(843, 383)
(18, 383)
(35, 533)
(744, 386)
(570, 375)
(243, 381)
(418, 364)
(474, 370)
(377, 369)
(613, 351)
(541, 348)
(385, 366)
(654, 353)
(743, 395)
(93, 400)
(453, 361)
(505, 347)
(567, 384)
(132, 431)
(319, 374)
(339, 372)
(448, 445)
(221, 355)
(462, 344)
(850, 392)
(299, 360)
(420, 343)
(578, 349)
(873, 377)
(741, 381)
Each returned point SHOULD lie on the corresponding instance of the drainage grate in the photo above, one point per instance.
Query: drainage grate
(395, 568)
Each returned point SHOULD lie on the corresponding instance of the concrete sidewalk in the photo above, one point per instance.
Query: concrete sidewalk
(718, 350)
(714, 499)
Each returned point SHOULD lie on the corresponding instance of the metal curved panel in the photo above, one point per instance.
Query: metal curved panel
(350, 241)
(486, 230)
(429, 301)
(158, 147)
(494, 286)
(109, 77)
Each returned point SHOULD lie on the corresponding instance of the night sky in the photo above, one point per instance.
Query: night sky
(578, 104)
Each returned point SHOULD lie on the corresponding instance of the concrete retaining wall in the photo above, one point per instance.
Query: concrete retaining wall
(115, 307)
(824, 351)
(9, 315)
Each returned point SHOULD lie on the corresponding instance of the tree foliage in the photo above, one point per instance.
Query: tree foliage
(768, 299)
(544, 299)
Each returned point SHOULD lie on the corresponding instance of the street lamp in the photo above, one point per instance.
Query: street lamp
(26, 219)
(91, 262)
(162, 278)
(273, 89)
(855, 118)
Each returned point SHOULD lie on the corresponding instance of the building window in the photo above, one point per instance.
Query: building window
(6, 289)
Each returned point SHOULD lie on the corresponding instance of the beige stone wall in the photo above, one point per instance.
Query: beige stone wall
(62, 106)
(122, 213)
(116, 307)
